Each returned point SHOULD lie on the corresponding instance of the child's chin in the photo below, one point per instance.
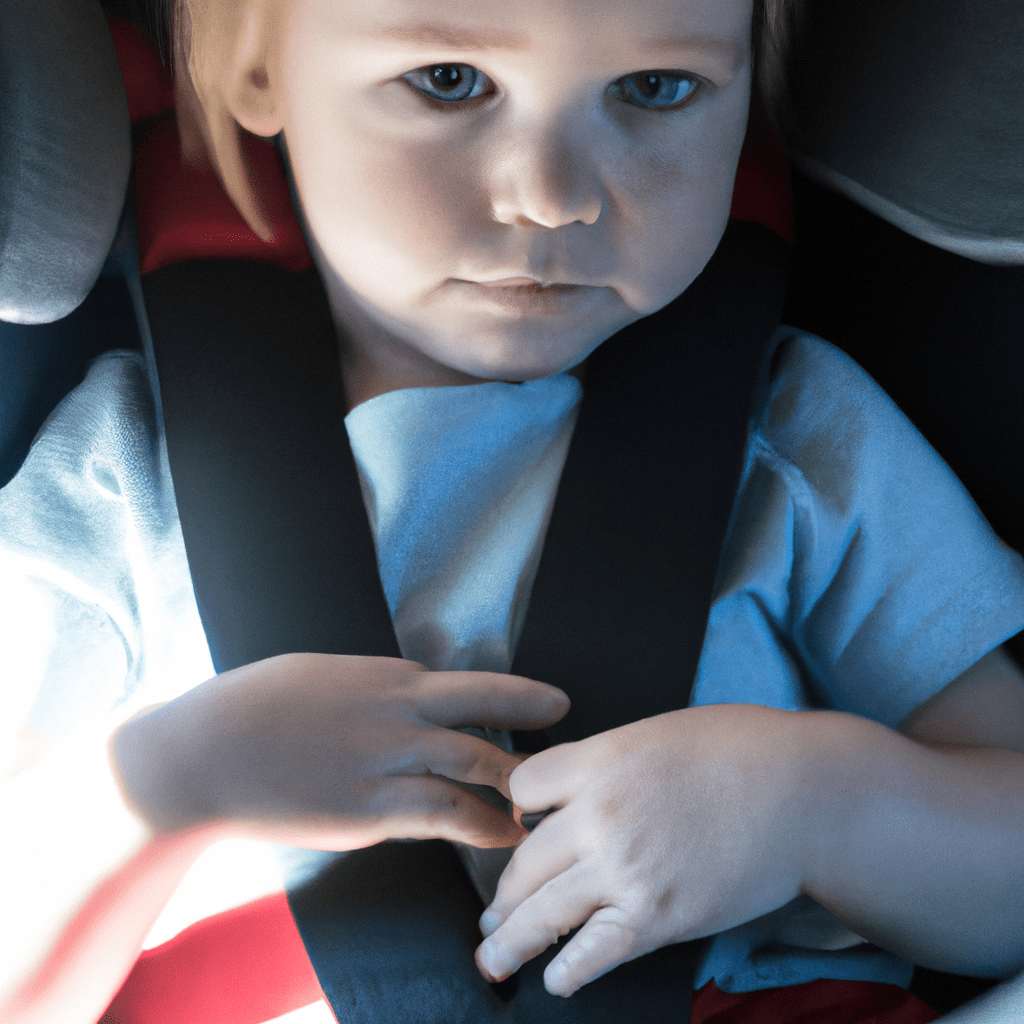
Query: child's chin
(527, 350)
(517, 367)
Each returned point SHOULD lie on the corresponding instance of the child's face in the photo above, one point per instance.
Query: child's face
(439, 148)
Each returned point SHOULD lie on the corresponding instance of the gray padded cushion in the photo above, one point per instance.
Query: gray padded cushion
(65, 154)
(915, 109)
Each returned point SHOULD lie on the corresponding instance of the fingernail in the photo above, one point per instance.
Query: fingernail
(488, 957)
(498, 963)
(554, 976)
(489, 922)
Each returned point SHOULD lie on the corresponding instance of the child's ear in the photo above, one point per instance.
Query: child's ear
(253, 88)
(227, 80)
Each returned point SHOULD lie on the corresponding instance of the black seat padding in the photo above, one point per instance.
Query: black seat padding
(942, 334)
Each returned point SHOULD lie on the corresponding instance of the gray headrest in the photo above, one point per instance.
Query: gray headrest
(915, 109)
(65, 154)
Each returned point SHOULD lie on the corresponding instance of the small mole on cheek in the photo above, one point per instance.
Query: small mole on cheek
(259, 78)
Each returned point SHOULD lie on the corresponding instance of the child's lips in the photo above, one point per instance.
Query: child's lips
(528, 295)
(520, 282)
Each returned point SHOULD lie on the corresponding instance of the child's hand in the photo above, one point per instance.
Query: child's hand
(332, 752)
(669, 829)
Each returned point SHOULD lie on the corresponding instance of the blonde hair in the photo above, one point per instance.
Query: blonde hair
(204, 39)
(198, 48)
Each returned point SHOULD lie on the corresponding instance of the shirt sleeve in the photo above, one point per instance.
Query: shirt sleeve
(96, 605)
(898, 584)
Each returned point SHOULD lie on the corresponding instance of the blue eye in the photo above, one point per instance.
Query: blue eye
(449, 83)
(656, 90)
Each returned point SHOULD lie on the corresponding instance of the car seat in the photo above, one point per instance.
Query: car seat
(69, 268)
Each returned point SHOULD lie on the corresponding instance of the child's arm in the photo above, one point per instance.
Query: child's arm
(82, 879)
(311, 749)
(696, 821)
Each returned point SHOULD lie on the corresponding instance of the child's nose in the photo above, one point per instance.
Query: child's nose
(546, 178)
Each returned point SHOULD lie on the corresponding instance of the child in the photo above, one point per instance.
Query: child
(491, 191)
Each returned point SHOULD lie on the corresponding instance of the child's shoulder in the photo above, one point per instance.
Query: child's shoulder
(841, 446)
(811, 379)
(96, 466)
(115, 395)
(106, 427)
(825, 415)
(797, 352)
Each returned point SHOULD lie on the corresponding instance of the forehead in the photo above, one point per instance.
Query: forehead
(537, 24)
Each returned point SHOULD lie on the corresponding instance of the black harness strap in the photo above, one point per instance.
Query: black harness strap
(619, 608)
(278, 542)
(282, 560)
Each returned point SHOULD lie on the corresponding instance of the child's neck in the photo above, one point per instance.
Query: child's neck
(374, 362)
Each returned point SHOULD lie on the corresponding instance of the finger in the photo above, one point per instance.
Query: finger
(547, 854)
(555, 909)
(549, 779)
(603, 943)
(431, 807)
(457, 699)
(463, 758)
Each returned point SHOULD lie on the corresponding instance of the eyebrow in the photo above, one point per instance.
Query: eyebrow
(730, 49)
(429, 34)
(435, 34)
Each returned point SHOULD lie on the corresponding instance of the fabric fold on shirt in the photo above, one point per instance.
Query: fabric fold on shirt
(459, 483)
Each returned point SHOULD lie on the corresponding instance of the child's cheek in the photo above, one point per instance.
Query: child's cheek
(676, 202)
(431, 196)
(387, 207)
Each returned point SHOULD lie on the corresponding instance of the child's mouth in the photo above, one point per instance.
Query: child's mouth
(527, 295)
(527, 283)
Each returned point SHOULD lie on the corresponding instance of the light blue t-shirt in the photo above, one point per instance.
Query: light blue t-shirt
(856, 574)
